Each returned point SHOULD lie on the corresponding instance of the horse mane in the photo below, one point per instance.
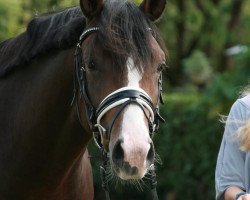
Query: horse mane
(60, 30)
(123, 32)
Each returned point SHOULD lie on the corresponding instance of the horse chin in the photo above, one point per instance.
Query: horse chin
(126, 177)
(135, 174)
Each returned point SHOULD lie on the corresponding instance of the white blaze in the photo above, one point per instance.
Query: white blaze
(133, 127)
(134, 76)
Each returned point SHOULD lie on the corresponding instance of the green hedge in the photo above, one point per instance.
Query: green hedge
(188, 145)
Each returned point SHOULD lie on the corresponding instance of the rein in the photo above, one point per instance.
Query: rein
(119, 98)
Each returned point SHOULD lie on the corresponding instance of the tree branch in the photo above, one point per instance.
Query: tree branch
(235, 14)
(180, 26)
(200, 6)
(195, 41)
(216, 2)
(231, 27)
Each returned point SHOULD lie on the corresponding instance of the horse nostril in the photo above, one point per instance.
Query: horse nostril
(118, 154)
(151, 153)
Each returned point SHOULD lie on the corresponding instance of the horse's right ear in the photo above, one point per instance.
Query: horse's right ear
(91, 8)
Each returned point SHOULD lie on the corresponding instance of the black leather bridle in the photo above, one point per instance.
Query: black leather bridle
(119, 99)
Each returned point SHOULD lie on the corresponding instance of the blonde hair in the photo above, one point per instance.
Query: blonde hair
(244, 136)
(244, 131)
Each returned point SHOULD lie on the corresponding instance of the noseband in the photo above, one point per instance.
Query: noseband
(119, 99)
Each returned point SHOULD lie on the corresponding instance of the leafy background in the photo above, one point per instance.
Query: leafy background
(201, 84)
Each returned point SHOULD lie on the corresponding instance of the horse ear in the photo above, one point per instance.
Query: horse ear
(153, 8)
(91, 8)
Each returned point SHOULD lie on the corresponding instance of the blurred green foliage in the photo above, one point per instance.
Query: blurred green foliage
(188, 143)
(209, 26)
(198, 68)
(201, 84)
(10, 14)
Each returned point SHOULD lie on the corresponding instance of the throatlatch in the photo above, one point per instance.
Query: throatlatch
(119, 98)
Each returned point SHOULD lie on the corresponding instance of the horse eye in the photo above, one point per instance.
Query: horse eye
(92, 65)
(161, 67)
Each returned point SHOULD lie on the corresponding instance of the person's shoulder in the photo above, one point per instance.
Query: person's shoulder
(245, 101)
(241, 108)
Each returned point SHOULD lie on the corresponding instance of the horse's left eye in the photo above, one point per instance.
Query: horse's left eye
(161, 67)
(92, 65)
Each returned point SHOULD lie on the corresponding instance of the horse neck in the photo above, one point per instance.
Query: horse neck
(38, 124)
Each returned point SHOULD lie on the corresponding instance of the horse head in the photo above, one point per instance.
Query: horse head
(120, 58)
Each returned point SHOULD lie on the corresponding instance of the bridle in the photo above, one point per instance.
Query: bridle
(118, 99)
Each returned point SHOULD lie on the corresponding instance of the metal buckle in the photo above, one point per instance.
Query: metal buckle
(104, 139)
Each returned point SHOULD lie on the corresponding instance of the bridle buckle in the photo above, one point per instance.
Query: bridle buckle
(103, 140)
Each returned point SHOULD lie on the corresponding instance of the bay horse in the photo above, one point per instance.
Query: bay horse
(43, 133)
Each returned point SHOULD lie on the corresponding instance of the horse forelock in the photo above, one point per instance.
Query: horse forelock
(124, 33)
